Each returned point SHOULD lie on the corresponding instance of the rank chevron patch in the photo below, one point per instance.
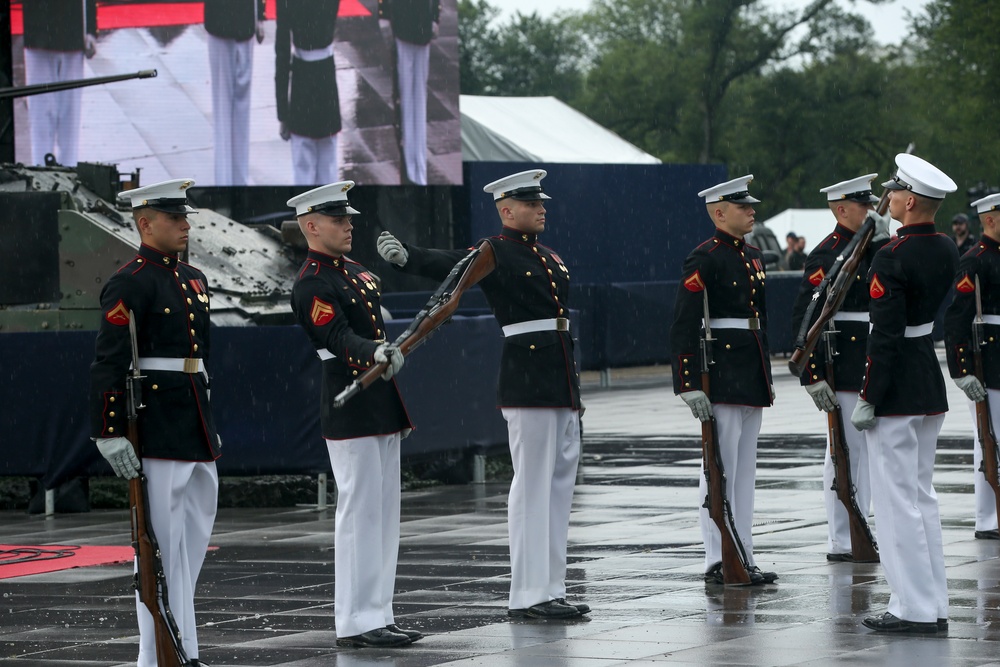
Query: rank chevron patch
(816, 277)
(965, 285)
(118, 315)
(876, 289)
(322, 312)
(694, 283)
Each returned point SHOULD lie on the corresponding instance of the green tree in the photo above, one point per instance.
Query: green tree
(678, 60)
(526, 57)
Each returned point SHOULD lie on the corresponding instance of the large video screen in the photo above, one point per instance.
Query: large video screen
(247, 92)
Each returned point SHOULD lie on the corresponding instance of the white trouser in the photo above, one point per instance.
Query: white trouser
(183, 498)
(366, 536)
(986, 504)
(901, 459)
(411, 68)
(55, 117)
(231, 65)
(837, 518)
(738, 427)
(545, 451)
(314, 160)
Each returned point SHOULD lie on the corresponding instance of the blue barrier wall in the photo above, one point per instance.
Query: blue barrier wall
(265, 393)
(609, 222)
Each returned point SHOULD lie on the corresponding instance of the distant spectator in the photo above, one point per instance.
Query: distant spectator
(960, 233)
(795, 256)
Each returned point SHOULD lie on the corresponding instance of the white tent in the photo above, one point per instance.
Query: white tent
(812, 223)
(538, 129)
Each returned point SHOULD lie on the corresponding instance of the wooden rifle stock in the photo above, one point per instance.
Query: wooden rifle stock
(734, 565)
(990, 466)
(150, 579)
(475, 266)
(863, 546)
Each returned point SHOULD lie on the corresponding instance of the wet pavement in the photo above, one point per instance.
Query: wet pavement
(635, 556)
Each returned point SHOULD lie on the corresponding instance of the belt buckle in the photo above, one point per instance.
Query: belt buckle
(191, 365)
(753, 323)
(562, 324)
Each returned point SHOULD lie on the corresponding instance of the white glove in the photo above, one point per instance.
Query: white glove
(391, 249)
(881, 225)
(700, 406)
(972, 387)
(259, 32)
(119, 453)
(89, 46)
(863, 416)
(385, 27)
(822, 395)
(771, 387)
(391, 354)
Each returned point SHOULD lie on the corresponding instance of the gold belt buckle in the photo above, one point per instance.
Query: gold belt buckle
(191, 365)
(562, 324)
(753, 323)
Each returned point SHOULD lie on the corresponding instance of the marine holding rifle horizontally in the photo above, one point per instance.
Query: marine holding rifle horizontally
(851, 203)
(733, 275)
(979, 268)
(167, 301)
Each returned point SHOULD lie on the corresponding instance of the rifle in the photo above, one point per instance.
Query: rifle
(836, 284)
(735, 566)
(55, 86)
(984, 424)
(150, 580)
(467, 272)
(863, 546)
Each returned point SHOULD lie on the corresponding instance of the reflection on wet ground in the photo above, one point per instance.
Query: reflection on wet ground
(635, 557)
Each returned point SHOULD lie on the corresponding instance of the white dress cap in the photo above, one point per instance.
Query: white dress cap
(327, 199)
(987, 203)
(523, 186)
(168, 196)
(920, 177)
(856, 189)
(735, 191)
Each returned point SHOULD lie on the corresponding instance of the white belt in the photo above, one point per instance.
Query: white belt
(919, 330)
(312, 55)
(745, 323)
(991, 319)
(325, 354)
(531, 326)
(189, 366)
(851, 316)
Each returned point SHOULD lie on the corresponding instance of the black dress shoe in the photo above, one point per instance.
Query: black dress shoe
(767, 577)
(414, 635)
(377, 638)
(582, 607)
(546, 610)
(840, 558)
(889, 623)
(988, 534)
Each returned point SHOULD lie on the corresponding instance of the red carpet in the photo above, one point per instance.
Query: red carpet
(150, 14)
(19, 561)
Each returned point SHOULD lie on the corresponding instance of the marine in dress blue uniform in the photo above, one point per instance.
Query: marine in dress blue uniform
(305, 78)
(58, 34)
(538, 391)
(170, 303)
(982, 261)
(733, 274)
(902, 400)
(851, 202)
(336, 301)
(413, 23)
(231, 25)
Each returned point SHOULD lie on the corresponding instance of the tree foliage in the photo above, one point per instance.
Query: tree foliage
(801, 98)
